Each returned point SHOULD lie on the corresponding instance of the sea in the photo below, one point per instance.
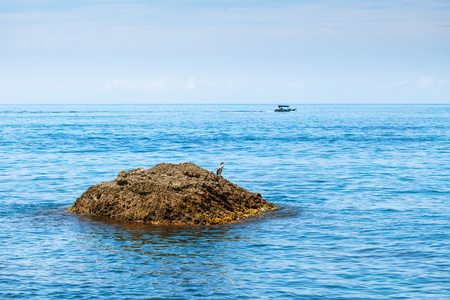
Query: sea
(363, 196)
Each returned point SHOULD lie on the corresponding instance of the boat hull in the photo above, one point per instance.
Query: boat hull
(285, 110)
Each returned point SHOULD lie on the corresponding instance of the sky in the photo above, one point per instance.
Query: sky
(224, 51)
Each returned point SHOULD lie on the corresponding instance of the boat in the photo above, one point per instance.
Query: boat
(284, 108)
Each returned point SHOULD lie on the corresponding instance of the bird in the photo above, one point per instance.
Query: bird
(219, 169)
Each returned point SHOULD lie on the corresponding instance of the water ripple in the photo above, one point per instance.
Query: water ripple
(362, 195)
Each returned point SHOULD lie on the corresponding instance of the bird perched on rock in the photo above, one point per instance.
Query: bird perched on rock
(219, 169)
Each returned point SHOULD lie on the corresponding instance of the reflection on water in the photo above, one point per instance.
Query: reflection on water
(187, 255)
(161, 260)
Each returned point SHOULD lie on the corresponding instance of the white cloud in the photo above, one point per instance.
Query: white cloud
(230, 84)
(120, 83)
(402, 82)
(160, 83)
(426, 81)
(192, 84)
(295, 85)
(223, 84)
(422, 81)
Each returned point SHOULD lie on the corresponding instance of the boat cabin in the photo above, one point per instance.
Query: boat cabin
(284, 108)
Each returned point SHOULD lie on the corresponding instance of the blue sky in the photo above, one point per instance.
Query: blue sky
(192, 51)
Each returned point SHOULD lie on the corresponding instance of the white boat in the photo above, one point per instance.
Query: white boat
(284, 108)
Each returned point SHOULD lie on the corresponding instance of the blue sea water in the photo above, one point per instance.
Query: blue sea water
(363, 194)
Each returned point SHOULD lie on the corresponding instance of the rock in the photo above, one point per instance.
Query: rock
(171, 194)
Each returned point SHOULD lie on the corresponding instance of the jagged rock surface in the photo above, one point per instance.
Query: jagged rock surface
(171, 194)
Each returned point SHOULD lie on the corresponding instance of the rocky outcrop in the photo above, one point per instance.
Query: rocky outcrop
(171, 194)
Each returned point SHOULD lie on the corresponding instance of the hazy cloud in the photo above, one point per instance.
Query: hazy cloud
(238, 50)
(426, 81)
(161, 83)
(192, 84)
(402, 82)
(295, 85)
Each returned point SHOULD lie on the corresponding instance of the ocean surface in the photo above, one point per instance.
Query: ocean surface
(363, 193)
